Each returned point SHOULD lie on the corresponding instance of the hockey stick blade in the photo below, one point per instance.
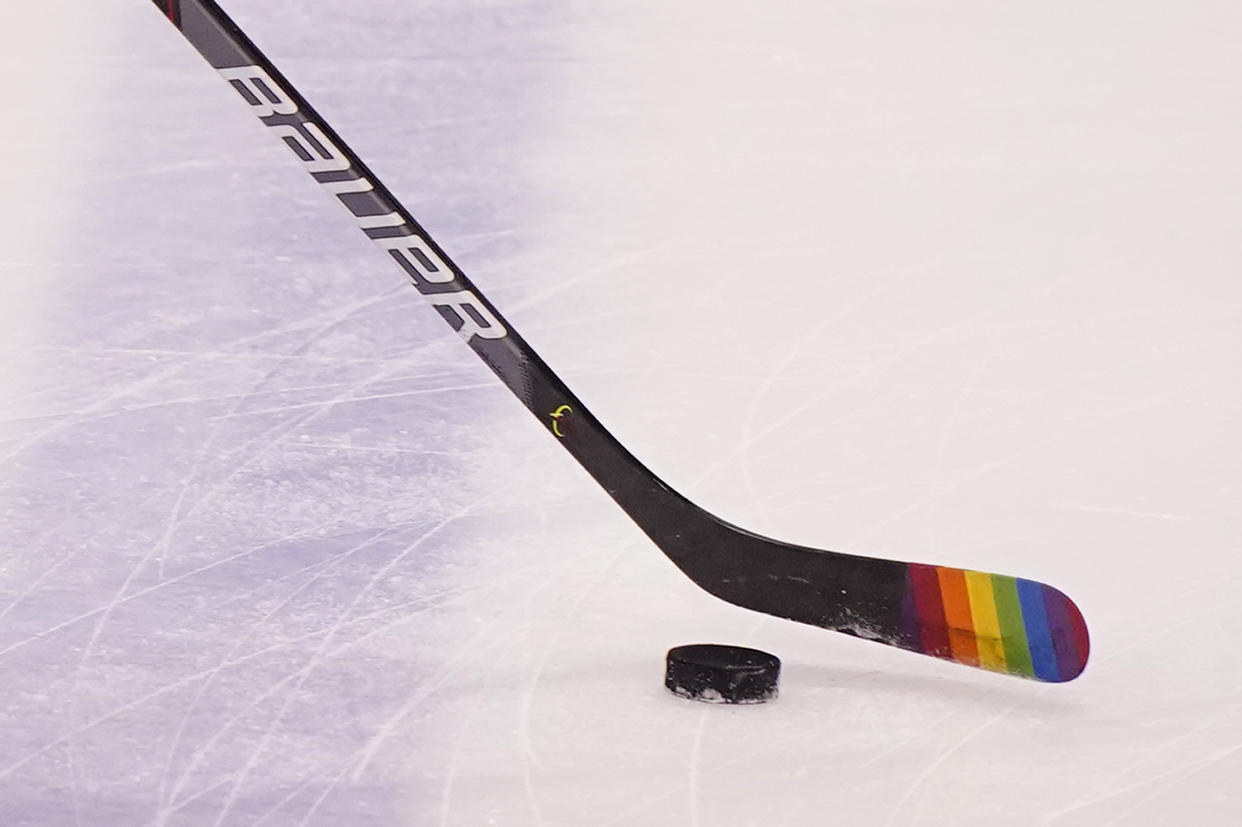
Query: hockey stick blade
(1003, 624)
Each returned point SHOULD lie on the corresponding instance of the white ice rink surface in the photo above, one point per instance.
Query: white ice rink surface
(957, 284)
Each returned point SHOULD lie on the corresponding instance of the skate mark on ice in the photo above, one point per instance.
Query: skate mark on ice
(143, 699)
(1109, 787)
(1095, 421)
(42, 540)
(164, 373)
(368, 449)
(348, 399)
(692, 769)
(423, 604)
(547, 582)
(454, 764)
(795, 351)
(1124, 512)
(1162, 783)
(496, 636)
(319, 654)
(330, 324)
(420, 606)
(917, 783)
(321, 568)
(176, 518)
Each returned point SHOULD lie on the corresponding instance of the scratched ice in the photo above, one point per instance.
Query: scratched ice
(952, 283)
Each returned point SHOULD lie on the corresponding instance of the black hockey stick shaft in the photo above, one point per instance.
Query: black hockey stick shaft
(1004, 624)
(384, 220)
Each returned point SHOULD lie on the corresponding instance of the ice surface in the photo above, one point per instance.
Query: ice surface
(956, 283)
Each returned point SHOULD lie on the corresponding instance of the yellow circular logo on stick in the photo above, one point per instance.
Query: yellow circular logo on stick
(557, 415)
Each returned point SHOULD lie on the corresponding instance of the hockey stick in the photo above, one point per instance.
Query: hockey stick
(1000, 623)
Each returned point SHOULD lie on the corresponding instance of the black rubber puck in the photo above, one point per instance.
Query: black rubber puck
(720, 674)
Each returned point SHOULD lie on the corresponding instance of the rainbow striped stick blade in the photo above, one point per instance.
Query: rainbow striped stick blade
(999, 623)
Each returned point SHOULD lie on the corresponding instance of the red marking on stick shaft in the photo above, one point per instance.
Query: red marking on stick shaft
(930, 607)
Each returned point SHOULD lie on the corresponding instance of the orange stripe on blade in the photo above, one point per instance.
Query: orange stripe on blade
(957, 614)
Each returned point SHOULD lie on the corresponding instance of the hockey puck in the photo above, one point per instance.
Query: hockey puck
(719, 674)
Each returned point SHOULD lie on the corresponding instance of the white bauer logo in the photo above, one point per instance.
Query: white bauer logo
(307, 141)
